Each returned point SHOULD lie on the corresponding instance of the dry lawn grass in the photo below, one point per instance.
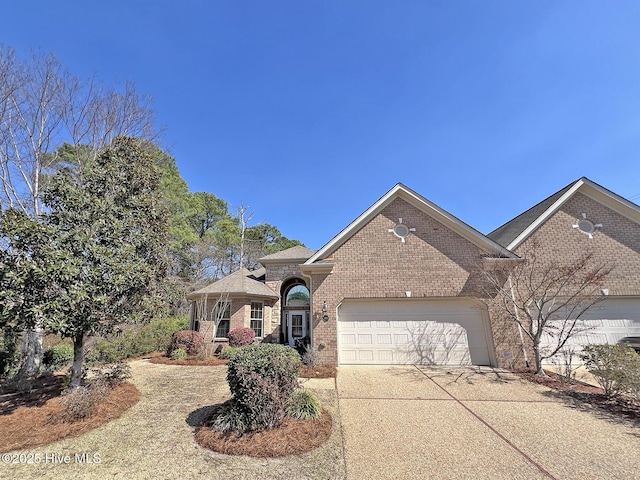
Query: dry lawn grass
(155, 437)
(32, 420)
(293, 437)
(211, 361)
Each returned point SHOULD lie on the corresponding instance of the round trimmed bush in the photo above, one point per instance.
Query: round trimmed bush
(261, 379)
(241, 336)
(190, 340)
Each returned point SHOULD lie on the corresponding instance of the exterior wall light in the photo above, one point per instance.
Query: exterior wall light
(325, 317)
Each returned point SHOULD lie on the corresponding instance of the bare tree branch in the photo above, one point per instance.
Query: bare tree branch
(546, 298)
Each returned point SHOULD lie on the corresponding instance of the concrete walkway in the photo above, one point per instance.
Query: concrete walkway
(453, 423)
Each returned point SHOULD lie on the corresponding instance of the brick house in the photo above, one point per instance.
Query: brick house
(400, 284)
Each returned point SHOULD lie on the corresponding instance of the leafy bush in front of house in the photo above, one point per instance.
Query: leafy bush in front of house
(58, 356)
(616, 368)
(303, 404)
(241, 336)
(155, 336)
(229, 352)
(151, 337)
(179, 354)
(190, 340)
(261, 379)
(110, 351)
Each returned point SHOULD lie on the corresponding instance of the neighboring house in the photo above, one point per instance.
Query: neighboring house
(586, 217)
(401, 283)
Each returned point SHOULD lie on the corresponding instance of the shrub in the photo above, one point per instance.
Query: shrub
(303, 404)
(615, 367)
(229, 352)
(57, 356)
(179, 354)
(241, 336)
(156, 335)
(111, 351)
(230, 418)
(190, 340)
(310, 357)
(261, 379)
(112, 375)
(81, 402)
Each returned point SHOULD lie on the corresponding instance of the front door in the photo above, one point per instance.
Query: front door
(296, 326)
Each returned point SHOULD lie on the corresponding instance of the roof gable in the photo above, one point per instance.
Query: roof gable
(422, 204)
(290, 255)
(240, 282)
(517, 230)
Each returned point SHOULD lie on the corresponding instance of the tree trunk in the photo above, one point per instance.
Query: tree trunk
(31, 351)
(539, 369)
(78, 358)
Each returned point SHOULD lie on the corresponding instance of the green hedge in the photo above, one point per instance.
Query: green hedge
(152, 337)
(58, 356)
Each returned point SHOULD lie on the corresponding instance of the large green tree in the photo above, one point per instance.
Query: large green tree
(107, 232)
(42, 104)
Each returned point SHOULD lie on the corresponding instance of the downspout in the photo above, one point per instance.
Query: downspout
(513, 298)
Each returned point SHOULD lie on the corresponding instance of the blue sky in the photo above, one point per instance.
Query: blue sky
(309, 111)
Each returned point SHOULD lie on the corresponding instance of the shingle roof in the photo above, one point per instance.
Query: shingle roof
(508, 232)
(297, 253)
(241, 282)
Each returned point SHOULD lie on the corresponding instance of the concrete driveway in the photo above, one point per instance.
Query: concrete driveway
(423, 422)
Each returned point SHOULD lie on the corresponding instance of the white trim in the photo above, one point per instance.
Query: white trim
(422, 204)
(251, 319)
(290, 338)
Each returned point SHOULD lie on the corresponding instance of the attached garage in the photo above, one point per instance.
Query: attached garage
(413, 331)
(607, 322)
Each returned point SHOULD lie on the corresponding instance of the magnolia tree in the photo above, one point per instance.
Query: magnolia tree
(42, 105)
(96, 258)
(546, 299)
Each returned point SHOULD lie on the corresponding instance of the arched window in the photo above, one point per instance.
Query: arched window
(297, 296)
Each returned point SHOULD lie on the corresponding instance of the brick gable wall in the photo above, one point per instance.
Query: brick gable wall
(618, 240)
(433, 262)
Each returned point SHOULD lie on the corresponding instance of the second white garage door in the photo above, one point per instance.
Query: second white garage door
(412, 331)
(607, 322)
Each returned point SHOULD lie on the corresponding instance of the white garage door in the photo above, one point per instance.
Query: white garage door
(412, 331)
(607, 322)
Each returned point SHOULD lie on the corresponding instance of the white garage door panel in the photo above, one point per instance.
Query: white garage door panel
(608, 322)
(412, 332)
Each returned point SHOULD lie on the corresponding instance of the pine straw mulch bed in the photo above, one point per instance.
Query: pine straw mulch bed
(30, 420)
(321, 371)
(584, 393)
(292, 437)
